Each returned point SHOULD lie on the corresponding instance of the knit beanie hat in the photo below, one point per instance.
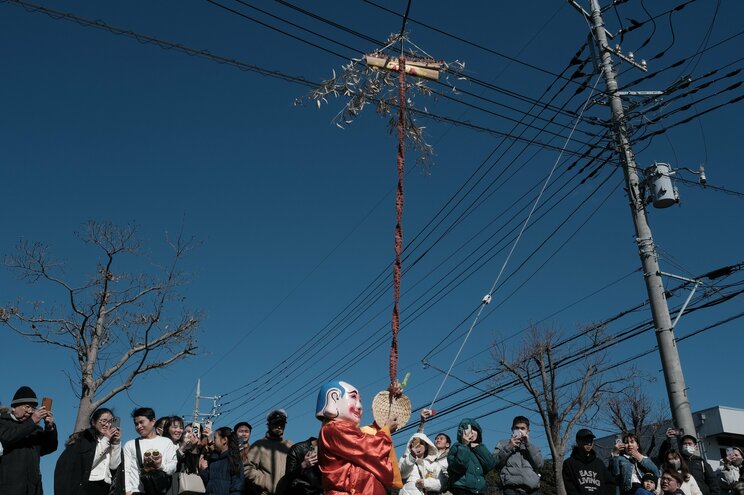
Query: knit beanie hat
(649, 477)
(24, 395)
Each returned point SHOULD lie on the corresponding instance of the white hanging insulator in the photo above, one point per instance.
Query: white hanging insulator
(487, 299)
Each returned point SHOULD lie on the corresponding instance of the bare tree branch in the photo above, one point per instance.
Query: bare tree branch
(564, 382)
(124, 308)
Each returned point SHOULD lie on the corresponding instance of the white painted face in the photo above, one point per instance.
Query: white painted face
(350, 404)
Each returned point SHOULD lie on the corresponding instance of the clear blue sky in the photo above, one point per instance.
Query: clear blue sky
(296, 216)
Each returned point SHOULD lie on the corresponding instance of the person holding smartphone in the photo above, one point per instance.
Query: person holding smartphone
(628, 464)
(518, 460)
(91, 457)
(730, 474)
(24, 442)
(302, 471)
(469, 460)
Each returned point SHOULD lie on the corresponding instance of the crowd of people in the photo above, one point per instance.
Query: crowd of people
(172, 457)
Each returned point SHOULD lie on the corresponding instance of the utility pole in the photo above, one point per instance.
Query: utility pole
(198, 416)
(675, 382)
(196, 401)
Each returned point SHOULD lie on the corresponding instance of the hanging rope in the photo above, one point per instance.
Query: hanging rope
(398, 219)
(487, 298)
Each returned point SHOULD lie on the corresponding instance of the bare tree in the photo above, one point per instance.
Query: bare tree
(633, 411)
(564, 379)
(118, 324)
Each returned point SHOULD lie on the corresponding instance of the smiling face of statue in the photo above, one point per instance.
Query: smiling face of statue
(339, 401)
(350, 404)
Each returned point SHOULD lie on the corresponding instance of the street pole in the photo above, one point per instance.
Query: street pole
(675, 382)
(196, 401)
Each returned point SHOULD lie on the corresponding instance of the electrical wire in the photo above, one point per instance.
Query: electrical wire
(153, 40)
(166, 45)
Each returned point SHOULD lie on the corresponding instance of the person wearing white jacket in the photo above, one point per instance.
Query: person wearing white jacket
(419, 468)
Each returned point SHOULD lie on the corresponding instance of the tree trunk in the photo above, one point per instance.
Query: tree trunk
(560, 487)
(85, 410)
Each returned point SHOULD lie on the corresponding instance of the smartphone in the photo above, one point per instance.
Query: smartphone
(196, 430)
(618, 441)
(208, 424)
(517, 434)
(729, 451)
(116, 422)
(46, 403)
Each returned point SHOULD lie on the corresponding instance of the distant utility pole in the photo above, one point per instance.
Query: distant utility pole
(675, 382)
(196, 401)
(198, 415)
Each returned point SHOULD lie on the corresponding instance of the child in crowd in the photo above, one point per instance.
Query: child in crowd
(648, 485)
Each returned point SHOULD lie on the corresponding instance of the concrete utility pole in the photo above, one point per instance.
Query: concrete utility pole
(675, 382)
(215, 406)
(196, 401)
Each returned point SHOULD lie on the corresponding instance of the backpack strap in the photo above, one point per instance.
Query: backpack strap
(139, 454)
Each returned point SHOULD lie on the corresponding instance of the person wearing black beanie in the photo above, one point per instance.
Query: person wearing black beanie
(24, 443)
(23, 396)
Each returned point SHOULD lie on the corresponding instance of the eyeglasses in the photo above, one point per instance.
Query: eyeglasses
(105, 422)
(667, 480)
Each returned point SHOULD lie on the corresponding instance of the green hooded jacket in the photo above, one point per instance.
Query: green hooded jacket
(468, 466)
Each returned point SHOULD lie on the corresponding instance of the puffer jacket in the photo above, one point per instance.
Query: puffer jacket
(518, 466)
(427, 468)
(622, 466)
(467, 467)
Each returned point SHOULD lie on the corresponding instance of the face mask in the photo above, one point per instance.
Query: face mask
(675, 463)
(688, 449)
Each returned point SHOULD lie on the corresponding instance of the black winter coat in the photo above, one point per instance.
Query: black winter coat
(217, 477)
(23, 447)
(75, 463)
(586, 475)
(302, 481)
(699, 469)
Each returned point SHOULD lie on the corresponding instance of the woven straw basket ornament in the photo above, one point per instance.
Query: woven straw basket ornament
(383, 409)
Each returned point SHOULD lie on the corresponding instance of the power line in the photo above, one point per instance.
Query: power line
(166, 45)
(463, 40)
(710, 186)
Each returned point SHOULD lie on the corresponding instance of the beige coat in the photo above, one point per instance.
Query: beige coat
(264, 471)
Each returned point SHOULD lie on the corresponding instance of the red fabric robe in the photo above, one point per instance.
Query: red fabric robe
(352, 462)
